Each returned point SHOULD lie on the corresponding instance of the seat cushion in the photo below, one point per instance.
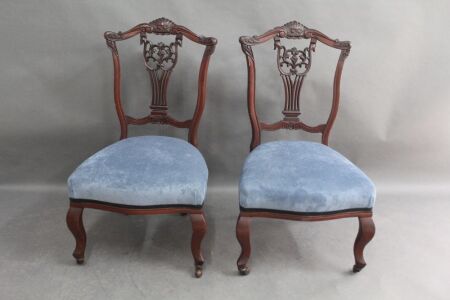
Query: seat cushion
(143, 171)
(303, 177)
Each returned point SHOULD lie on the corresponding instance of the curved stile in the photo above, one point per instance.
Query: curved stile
(293, 65)
(159, 60)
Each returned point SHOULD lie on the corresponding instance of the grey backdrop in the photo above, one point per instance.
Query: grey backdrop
(56, 84)
(57, 101)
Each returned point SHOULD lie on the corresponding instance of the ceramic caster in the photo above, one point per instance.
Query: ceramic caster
(243, 270)
(198, 271)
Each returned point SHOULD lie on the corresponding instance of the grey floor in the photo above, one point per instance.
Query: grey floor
(149, 257)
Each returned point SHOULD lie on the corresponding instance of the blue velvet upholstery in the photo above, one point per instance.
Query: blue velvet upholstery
(303, 177)
(143, 171)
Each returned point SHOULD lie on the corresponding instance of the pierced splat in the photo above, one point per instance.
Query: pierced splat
(160, 59)
(293, 65)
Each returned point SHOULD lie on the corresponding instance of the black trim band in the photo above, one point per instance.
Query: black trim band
(304, 213)
(137, 206)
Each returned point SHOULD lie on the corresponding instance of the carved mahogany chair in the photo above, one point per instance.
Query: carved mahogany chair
(147, 175)
(299, 180)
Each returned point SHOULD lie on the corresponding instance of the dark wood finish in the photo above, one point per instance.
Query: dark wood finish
(243, 236)
(293, 65)
(75, 223)
(159, 59)
(365, 233)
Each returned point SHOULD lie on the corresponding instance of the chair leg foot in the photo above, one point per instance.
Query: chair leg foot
(80, 261)
(198, 271)
(199, 227)
(365, 234)
(243, 236)
(358, 267)
(74, 221)
(244, 270)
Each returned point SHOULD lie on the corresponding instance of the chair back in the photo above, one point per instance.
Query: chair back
(160, 60)
(293, 65)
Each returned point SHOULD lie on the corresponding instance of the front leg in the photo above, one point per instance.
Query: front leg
(74, 221)
(199, 227)
(365, 235)
(243, 236)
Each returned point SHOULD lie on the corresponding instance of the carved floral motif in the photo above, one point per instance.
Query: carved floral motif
(160, 56)
(294, 30)
(293, 61)
(162, 25)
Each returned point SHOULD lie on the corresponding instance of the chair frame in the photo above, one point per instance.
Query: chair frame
(292, 81)
(163, 63)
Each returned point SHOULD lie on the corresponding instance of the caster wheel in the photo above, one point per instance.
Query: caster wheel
(243, 270)
(198, 271)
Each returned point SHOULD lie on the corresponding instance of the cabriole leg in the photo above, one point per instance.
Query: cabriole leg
(198, 232)
(74, 221)
(243, 236)
(365, 234)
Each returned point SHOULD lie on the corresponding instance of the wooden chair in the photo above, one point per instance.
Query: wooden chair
(299, 180)
(147, 175)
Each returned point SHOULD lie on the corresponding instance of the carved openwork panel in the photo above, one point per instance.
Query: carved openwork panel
(292, 61)
(293, 65)
(160, 56)
(160, 59)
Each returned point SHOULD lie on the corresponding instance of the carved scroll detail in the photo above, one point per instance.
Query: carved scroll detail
(111, 38)
(247, 50)
(160, 56)
(249, 40)
(246, 44)
(293, 61)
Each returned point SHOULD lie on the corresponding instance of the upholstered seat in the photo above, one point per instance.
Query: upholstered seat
(143, 171)
(303, 177)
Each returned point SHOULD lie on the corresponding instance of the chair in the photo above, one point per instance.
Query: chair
(147, 175)
(299, 180)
